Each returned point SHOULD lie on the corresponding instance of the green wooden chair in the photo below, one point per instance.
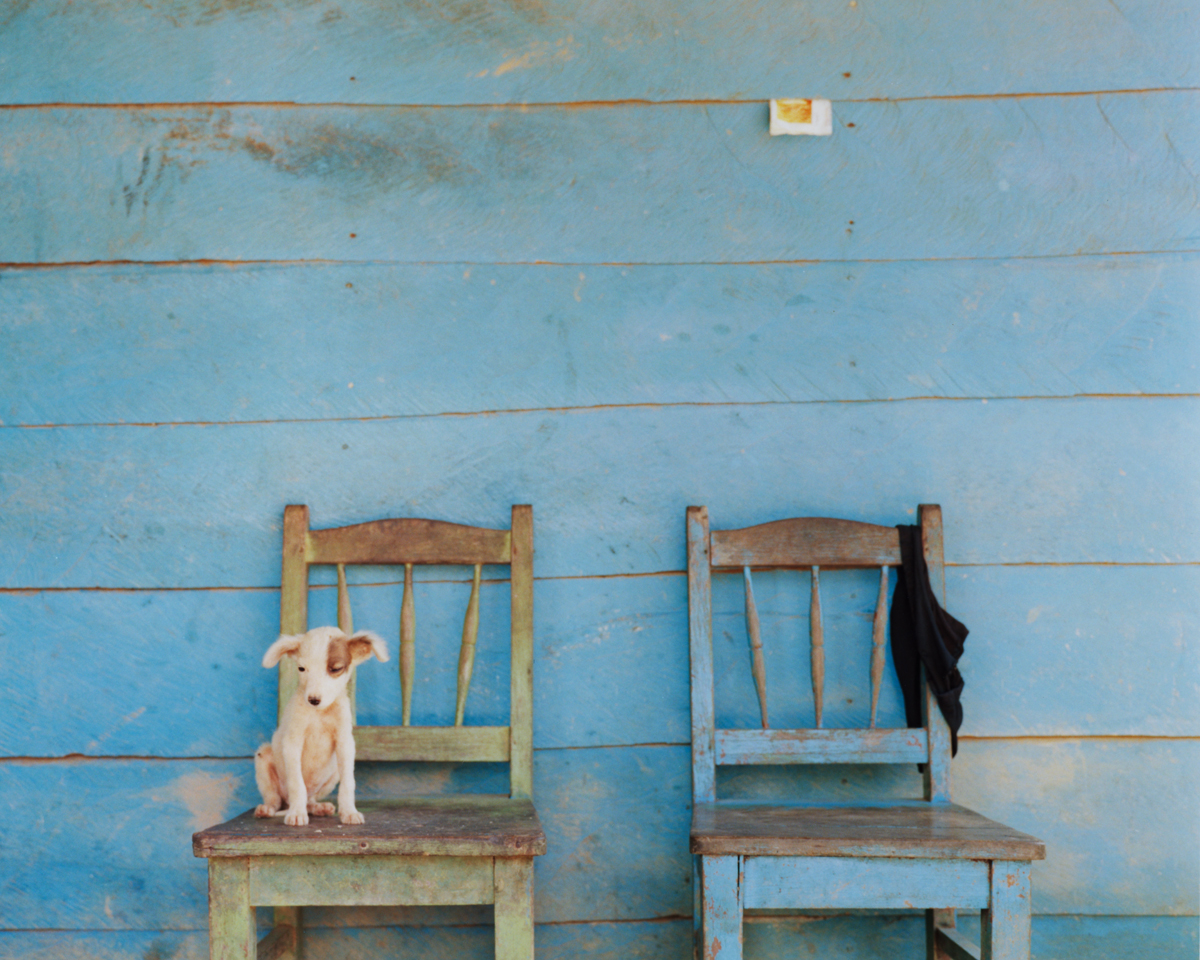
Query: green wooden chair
(464, 849)
(929, 854)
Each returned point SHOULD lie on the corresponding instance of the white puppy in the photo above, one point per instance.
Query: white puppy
(313, 747)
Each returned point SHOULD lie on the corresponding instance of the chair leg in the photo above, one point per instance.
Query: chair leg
(514, 908)
(1005, 925)
(231, 933)
(283, 942)
(697, 908)
(721, 908)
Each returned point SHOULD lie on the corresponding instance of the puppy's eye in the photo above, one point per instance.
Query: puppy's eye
(301, 669)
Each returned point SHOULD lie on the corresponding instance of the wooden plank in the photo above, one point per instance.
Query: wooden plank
(1004, 926)
(1067, 651)
(293, 597)
(1008, 477)
(470, 744)
(380, 53)
(954, 946)
(231, 932)
(408, 541)
(282, 943)
(937, 767)
(821, 746)
(649, 334)
(521, 662)
(514, 908)
(700, 654)
(462, 826)
(419, 184)
(771, 938)
(806, 541)
(913, 831)
(721, 911)
(852, 883)
(375, 881)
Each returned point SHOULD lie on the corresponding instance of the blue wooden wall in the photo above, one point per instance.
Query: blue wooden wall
(407, 258)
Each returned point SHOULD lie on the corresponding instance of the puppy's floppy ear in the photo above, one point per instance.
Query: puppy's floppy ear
(285, 646)
(363, 643)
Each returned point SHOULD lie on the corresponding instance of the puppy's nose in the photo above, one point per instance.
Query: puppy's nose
(315, 701)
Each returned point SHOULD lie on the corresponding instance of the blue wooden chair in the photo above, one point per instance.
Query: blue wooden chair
(445, 850)
(930, 854)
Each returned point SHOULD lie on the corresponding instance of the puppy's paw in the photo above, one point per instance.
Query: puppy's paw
(351, 816)
(262, 810)
(296, 818)
(321, 809)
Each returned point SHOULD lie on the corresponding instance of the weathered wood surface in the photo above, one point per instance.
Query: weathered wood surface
(721, 909)
(816, 641)
(365, 51)
(952, 945)
(822, 746)
(698, 594)
(408, 645)
(1004, 928)
(650, 334)
(475, 744)
(699, 182)
(466, 653)
(521, 653)
(1064, 650)
(183, 506)
(424, 541)
(754, 633)
(352, 880)
(879, 642)
(931, 831)
(439, 826)
(231, 922)
(767, 938)
(514, 909)
(1121, 840)
(857, 883)
(806, 542)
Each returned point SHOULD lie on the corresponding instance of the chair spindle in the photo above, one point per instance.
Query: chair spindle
(408, 651)
(466, 653)
(345, 620)
(877, 636)
(754, 631)
(817, 632)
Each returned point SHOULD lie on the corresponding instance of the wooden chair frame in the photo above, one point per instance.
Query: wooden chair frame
(934, 855)
(423, 852)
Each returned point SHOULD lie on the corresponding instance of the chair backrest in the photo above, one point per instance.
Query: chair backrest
(412, 542)
(805, 543)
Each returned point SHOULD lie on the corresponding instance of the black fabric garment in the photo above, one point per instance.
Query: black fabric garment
(925, 634)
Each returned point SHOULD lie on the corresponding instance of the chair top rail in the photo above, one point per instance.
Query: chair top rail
(409, 540)
(805, 542)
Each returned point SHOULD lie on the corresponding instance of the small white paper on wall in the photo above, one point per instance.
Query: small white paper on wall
(792, 117)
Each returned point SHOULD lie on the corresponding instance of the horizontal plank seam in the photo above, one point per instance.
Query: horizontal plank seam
(325, 261)
(634, 102)
(29, 591)
(592, 408)
(997, 738)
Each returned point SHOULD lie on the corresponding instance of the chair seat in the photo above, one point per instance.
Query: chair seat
(911, 829)
(436, 826)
